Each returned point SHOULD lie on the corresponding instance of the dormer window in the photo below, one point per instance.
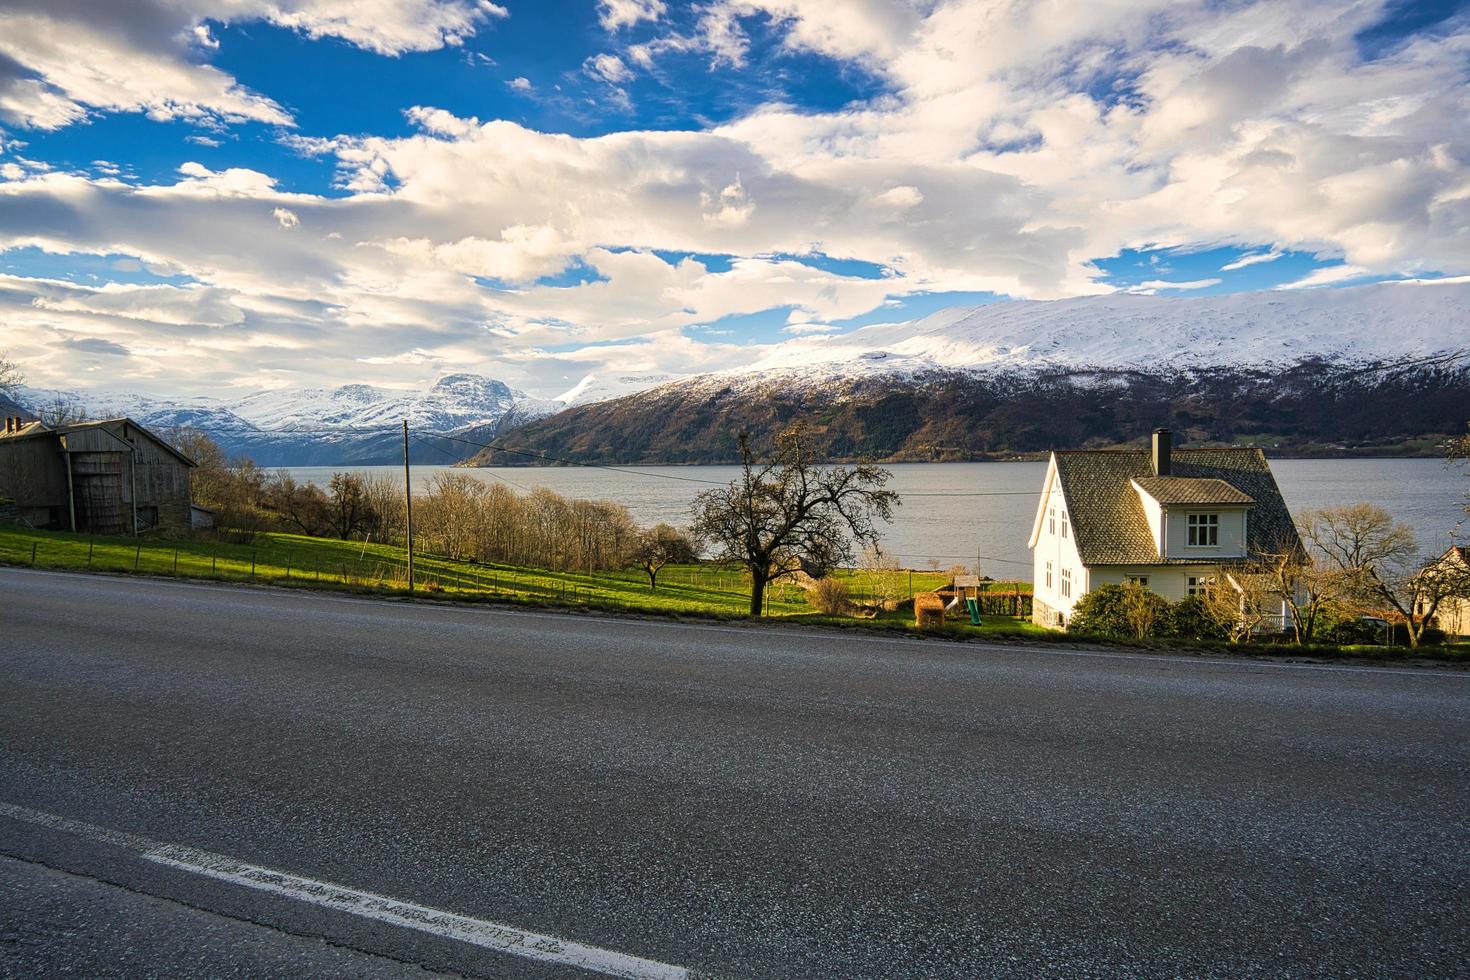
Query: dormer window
(1204, 530)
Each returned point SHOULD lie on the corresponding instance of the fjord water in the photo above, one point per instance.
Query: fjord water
(954, 513)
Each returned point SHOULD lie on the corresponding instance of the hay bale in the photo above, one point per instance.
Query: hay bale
(928, 610)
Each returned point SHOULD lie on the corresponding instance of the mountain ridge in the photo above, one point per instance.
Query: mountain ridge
(349, 424)
(1195, 362)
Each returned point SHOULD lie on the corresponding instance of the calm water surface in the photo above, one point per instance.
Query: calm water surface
(934, 526)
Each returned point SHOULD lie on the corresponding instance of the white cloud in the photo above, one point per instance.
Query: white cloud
(520, 84)
(1252, 258)
(615, 14)
(1015, 146)
(59, 62)
(608, 68)
(1154, 285)
(286, 217)
(1327, 276)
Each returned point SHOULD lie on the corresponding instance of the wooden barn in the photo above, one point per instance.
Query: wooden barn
(107, 477)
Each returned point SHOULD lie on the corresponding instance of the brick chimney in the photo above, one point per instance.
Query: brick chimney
(1162, 450)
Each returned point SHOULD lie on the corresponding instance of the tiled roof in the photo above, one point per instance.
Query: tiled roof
(1189, 490)
(1107, 517)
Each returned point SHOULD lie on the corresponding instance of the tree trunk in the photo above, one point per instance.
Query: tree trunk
(652, 579)
(757, 594)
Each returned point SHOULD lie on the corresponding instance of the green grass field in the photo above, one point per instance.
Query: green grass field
(305, 562)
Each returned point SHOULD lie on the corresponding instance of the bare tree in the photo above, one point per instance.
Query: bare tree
(1242, 603)
(1381, 564)
(880, 574)
(62, 409)
(11, 376)
(658, 546)
(791, 514)
(349, 507)
(1302, 585)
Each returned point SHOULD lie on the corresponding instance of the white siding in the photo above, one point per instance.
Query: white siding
(1060, 551)
(1231, 539)
(1169, 581)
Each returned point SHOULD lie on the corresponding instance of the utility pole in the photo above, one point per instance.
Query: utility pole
(407, 505)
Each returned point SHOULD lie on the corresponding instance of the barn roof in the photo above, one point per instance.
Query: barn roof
(1107, 516)
(36, 430)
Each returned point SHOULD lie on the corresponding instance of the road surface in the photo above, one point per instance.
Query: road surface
(198, 779)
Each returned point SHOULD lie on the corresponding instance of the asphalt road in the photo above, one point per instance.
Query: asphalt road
(207, 780)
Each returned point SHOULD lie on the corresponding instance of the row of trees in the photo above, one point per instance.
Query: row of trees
(458, 516)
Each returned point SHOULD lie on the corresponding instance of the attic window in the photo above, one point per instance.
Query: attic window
(1064, 524)
(1204, 530)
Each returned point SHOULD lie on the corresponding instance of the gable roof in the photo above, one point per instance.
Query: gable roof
(1192, 490)
(35, 430)
(1107, 518)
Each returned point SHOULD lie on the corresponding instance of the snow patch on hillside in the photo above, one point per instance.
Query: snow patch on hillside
(1358, 325)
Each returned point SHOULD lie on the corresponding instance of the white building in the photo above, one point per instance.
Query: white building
(1173, 521)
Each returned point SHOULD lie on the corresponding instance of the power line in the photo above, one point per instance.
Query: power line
(452, 456)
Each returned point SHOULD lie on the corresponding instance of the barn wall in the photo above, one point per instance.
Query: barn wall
(33, 474)
(161, 479)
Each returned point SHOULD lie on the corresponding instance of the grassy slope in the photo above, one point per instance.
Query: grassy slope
(288, 559)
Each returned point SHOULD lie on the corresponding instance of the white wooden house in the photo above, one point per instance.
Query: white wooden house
(1174, 521)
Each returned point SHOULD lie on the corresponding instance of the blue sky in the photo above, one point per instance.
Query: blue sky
(297, 195)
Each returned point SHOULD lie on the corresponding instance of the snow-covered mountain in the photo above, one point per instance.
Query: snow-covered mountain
(1371, 366)
(1357, 325)
(353, 423)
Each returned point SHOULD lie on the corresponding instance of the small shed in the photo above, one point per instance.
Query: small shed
(107, 477)
(964, 587)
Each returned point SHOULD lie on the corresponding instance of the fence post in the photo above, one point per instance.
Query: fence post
(91, 543)
(137, 555)
(288, 567)
(252, 565)
(344, 574)
(213, 566)
(33, 554)
(176, 561)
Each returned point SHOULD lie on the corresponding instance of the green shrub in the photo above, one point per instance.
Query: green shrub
(1121, 612)
(1351, 632)
(1191, 619)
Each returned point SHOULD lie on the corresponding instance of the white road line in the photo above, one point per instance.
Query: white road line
(757, 631)
(449, 925)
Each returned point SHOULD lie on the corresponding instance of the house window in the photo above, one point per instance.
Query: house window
(1064, 524)
(1199, 584)
(1048, 575)
(1139, 580)
(147, 517)
(1204, 530)
(1051, 521)
(1066, 583)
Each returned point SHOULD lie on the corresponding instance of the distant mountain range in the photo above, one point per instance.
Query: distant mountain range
(1377, 368)
(321, 426)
